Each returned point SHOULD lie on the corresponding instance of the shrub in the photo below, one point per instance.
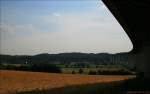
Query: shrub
(80, 70)
(45, 68)
(92, 72)
(73, 72)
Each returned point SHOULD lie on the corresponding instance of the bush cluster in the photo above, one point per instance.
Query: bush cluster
(106, 72)
(33, 67)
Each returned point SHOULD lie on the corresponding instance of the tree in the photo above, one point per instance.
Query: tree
(80, 70)
(73, 72)
(92, 72)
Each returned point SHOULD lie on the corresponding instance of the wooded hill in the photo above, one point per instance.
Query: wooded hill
(65, 58)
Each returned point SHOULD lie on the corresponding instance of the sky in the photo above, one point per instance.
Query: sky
(29, 27)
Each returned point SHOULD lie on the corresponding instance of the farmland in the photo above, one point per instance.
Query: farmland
(19, 81)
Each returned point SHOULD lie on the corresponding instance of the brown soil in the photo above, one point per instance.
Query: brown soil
(16, 81)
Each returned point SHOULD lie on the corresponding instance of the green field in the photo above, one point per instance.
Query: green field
(71, 69)
(87, 70)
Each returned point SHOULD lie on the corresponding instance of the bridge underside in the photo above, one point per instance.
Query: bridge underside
(134, 16)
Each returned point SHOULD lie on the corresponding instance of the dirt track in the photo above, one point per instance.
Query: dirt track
(16, 81)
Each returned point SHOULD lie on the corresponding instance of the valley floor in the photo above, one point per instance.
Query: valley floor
(20, 81)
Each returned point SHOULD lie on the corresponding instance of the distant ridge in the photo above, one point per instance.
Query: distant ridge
(102, 58)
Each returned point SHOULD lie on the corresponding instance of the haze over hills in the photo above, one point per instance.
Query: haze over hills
(100, 58)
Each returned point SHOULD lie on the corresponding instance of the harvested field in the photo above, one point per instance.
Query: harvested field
(16, 81)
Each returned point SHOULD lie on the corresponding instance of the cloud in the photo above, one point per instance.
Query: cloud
(56, 14)
(15, 29)
(7, 28)
(92, 31)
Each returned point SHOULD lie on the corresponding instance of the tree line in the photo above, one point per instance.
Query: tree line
(32, 67)
(65, 58)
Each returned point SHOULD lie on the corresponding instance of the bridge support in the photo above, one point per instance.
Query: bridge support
(141, 61)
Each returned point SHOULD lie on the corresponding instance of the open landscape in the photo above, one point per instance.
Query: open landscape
(74, 47)
(20, 81)
(65, 73)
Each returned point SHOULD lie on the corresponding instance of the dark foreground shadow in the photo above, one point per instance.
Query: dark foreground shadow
(137, 84)
(99, 88)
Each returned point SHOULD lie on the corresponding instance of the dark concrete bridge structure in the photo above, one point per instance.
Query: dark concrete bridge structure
(134, 17)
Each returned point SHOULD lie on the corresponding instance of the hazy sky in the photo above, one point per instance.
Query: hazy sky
(55, 26)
